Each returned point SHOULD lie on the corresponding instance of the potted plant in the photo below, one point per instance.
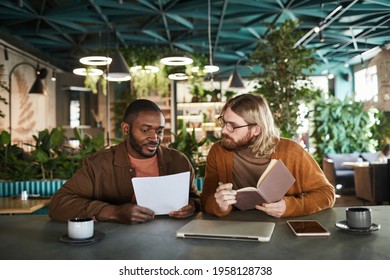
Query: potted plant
(198, 93)
(187, 143)
(15, 163)
(343, 126)
(50, 163)
(214, 95)
(283, 81)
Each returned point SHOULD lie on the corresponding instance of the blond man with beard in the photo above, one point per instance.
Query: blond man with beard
(250, 140)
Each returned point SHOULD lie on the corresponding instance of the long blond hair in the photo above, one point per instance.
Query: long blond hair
(253, 108)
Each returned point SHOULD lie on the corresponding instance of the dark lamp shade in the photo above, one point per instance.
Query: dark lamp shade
(235, 80)
(118, 67)
(37, 87)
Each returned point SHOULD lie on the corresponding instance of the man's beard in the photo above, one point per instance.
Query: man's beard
(232, 145)
(139, 148)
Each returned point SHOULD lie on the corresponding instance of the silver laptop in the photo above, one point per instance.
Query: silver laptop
(227, 230)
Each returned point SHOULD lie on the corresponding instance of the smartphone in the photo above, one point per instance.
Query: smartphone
(307, 228)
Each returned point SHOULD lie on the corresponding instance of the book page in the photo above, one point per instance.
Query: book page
(247, 189)
(266, 171)
(162, 194)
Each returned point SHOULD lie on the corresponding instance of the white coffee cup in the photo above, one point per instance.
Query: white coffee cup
(80, 228)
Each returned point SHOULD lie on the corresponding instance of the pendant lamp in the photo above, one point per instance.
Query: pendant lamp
(118, 69)
(235, 80)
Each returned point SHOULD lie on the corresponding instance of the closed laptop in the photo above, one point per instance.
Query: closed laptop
(227, 230)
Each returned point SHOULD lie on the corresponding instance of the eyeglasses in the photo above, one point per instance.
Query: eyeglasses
(229, 126)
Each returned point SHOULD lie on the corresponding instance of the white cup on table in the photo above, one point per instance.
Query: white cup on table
(80, 228)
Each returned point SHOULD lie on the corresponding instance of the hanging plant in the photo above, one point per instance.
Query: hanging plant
(145, 82)
(196, 79)
(148, 83)
(94, 82)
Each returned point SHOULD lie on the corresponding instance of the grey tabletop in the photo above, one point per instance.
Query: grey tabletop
(37, 237)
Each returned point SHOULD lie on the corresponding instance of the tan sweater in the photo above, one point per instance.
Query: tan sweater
(310, 193)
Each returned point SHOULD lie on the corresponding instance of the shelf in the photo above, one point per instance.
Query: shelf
(200, 117)
(200, 104)
(191, 118)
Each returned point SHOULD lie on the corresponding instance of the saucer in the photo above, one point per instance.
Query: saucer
(95, 238)
(343, 226)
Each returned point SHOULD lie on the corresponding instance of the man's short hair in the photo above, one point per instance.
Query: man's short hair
(137, 106)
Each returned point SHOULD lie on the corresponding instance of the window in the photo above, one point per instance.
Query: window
(366, 84)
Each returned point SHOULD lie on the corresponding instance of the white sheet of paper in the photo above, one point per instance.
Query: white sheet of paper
(162, 194)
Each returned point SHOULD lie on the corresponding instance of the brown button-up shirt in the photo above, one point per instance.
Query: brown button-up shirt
(105, 178)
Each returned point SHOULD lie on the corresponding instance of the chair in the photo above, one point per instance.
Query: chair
(338, 174)
(372, 183)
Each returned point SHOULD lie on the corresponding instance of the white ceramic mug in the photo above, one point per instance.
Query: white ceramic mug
(80, 228)
(358, 217)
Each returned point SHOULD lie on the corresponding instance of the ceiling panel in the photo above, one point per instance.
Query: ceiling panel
(61, 31)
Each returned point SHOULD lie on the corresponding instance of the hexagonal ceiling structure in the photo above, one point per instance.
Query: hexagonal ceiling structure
(61, 31)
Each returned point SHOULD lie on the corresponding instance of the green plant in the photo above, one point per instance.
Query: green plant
(47, 151)
(94, 83)
(2, 99)
(214, 95)
(50, 157)
(343, 126)
(381, 130)
(197, 91)
(196, 79)
(229, 94)
(145, 82)
(14, 162)
(123, 98)
(283, 81)
(187, 143)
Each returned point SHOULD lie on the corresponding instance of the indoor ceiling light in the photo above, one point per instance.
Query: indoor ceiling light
(90, 71)
(53, 76)
(117, 79)
(176, 60)
(145, 69)
(118, 69)
(178, 76)
(95, 60)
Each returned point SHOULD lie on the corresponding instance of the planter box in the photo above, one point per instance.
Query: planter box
(44, 188)
(47, 188)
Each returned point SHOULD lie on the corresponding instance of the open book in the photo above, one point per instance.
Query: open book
(271, 187)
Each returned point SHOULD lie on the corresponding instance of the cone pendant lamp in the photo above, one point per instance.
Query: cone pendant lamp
(235, 80)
